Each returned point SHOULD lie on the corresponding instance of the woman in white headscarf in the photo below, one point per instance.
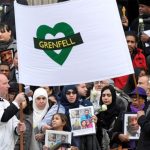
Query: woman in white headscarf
(40, 108)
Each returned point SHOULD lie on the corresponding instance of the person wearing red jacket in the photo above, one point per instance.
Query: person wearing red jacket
(138, 58)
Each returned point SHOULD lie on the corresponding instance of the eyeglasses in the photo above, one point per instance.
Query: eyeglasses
(71, 92)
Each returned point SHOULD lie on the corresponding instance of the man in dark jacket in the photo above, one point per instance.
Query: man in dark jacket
(144, 122)
(144, 13)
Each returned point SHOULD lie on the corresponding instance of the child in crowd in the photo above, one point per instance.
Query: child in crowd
(59, 123)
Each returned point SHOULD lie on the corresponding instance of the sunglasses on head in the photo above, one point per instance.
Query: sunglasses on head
(71, 92)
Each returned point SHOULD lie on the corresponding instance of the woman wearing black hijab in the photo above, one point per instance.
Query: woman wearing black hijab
(70, 100)
(107, 118)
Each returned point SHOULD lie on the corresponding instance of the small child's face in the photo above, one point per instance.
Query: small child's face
(83, 123)
(57, 122)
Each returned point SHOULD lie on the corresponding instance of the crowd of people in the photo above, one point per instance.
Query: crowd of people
(47, 107)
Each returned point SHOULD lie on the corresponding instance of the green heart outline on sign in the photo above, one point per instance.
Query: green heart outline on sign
(62, 27)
